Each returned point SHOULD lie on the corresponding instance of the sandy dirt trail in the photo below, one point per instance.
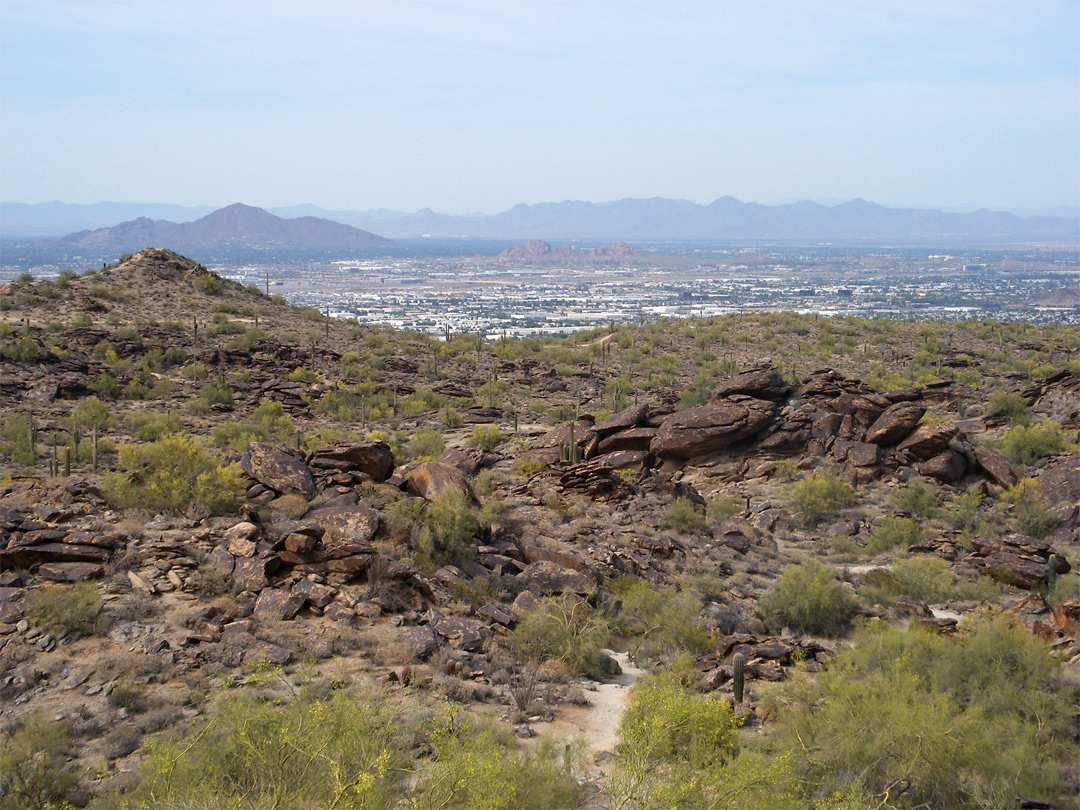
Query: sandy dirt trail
(598, 723)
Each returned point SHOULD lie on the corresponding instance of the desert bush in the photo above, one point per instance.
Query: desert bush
(1026, 444)
(476, 764)
(664, 622)
(964, 508)
(486, 437)
(722, 509)
(23, 349)
(34, 770)
(170, 473)
(564, 628)
(808, 598)
(1011, 406)
(73, 609)
(15, 442)
(128, 695)
(442, 530)
(267, 423)
(821, 495)
(970, 721)
(450, 417)
(1033, 517)
(893, 532)
(918, 499)
(526, 467)
(105, 385)
(343, 750)
(683, 515)
(426, 444)
(150, 426)
(207, 284)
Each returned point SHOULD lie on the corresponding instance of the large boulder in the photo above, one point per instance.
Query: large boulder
(277, 469)
(630, 439)
(546, 577)
(760, 383)
(926, 441)
(627, 418)
(1016, 559)
(432, 479)
(1060, 480)
(371, 458)
(895, 423)
(706, 428)
(947, 465)
(995, 466)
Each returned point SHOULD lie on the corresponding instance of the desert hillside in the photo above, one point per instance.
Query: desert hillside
(254, 557)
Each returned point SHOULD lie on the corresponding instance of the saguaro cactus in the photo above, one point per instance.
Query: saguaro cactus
(738, 661)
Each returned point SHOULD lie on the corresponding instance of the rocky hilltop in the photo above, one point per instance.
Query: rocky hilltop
(203, 488)
(236, 225)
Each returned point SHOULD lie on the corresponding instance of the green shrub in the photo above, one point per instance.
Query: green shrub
(216, 394)
(345, 750)
(563, 628)
(918, 499)
(965, 512)
(443, 530)
(486, 437)
(82, 320)
(15, 441)
(34, 769)
(1031, 513)
(426, 445)
(450, 417)
(664, 622)
(822, 495)
(527, 467)
(1009, 405)
(106, 386)
(723, 509)
(971, 721)
(171, 473)
(1026, 444)
(808, 598)
(894, 532)
(150, 426)
(73, 609)
(207, 284)
(23, 349)
(786, 469)
(267, 423)
(683, 515)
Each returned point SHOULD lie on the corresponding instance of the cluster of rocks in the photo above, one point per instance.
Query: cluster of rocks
(765, 658)
(866, 432)
(50, 549)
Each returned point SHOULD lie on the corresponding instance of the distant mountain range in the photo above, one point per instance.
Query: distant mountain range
(233, 226)
(639, 219)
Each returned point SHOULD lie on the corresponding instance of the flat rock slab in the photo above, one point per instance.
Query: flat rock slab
(278, 603)
(895, 423)
(70, 572)
(277, 469)
(346, 529)
(705, 428)
(371, 458)
(546, 577)
(995, 466)
(431, 479)
(926, 441)
(761, 383)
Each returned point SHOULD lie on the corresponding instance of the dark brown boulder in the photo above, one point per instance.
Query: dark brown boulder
(545, 577)
(252, 574)
(70, 572)
(860, 454)
(624, 419)
(995, 466)
(1015, 559)
(895, 423)
(760, 383)
(470, 460)
(630, 439)
(926, 441)
(23, 556)
(277, 469)
(705, 428)
(431, 479)
(945, 466)
(278, 603)
(370, 458)
(623, 460)
(344, 528)
(464, 634)
(1060, 480)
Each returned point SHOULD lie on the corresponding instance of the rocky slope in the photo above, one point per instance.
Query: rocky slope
(323, 555)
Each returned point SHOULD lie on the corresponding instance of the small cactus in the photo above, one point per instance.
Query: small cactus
(738, 661)
(1051, 569)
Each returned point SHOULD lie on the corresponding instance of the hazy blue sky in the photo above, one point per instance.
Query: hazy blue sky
(478, 106)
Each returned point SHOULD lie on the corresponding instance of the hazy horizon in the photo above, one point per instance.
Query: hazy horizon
(477, 107)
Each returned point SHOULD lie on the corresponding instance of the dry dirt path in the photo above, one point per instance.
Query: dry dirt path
(598, 723)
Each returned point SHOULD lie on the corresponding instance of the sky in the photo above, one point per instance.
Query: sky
(467, 107)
